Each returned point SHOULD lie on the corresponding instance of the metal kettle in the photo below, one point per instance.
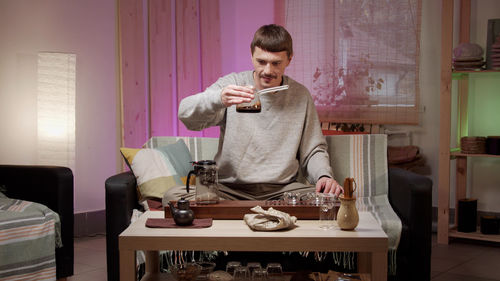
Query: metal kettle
(182, 215)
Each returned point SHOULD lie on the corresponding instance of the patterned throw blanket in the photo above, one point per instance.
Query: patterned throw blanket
(362, 157)
(29, 235)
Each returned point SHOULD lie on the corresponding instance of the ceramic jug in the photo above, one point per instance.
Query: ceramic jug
(347, 216)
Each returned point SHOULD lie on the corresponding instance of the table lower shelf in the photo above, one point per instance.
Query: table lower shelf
(158, 277)
(474, 235)
(286, 276)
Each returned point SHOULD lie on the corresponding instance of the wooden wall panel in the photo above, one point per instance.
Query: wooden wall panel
(279, 12)
(133, 73)
(188, 54)
(173, 53)
(163, 108)
(211, 58)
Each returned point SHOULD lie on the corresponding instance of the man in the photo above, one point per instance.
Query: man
(260, 154)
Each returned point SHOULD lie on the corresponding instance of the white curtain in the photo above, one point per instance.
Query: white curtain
(359, 58)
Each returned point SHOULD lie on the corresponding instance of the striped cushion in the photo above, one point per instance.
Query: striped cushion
(158, 169)
(200, 148)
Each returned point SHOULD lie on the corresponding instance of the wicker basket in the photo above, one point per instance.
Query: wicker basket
(473, 145)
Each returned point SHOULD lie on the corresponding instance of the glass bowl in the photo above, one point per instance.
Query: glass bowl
(206, 268)
(185, 271)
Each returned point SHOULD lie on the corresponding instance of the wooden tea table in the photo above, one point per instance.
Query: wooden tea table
(368, 239)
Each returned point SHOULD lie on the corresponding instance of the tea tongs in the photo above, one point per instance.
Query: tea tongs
(272, 89)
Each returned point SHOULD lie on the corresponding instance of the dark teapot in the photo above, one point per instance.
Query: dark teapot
(182, 215)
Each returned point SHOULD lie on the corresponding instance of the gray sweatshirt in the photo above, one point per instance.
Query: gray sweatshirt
(266, 147)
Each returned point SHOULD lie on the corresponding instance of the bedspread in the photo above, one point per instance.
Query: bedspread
(29, 235)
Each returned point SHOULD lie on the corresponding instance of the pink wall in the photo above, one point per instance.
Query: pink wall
(239, 21)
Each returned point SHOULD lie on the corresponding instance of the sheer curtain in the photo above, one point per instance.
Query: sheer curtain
(359, 58)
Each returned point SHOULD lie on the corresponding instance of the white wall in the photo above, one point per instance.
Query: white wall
(88, 29)
(426, 135)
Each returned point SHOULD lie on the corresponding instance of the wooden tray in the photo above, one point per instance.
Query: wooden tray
(235, 210)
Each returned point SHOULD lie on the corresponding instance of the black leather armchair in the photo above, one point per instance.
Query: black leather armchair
(410, 195)
(53, 187)
(121, 200)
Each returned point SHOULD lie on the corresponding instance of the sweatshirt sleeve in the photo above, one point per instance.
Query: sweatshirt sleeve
(313, 151)
(204, 109)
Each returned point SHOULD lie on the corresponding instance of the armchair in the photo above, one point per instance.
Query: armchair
(53, 187)
(410, 196)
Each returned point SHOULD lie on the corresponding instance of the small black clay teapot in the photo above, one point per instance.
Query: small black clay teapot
(182, 215)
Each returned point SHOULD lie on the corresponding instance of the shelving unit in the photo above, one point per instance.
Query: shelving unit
(459, 154)
(473, 235)
(445, 153)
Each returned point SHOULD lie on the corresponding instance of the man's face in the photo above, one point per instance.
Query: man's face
(269, 67)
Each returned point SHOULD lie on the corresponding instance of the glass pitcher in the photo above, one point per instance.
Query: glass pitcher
(207, 190)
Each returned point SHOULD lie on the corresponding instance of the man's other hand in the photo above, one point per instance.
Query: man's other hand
(329, 185)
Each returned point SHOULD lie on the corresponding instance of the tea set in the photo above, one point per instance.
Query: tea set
(206, 182)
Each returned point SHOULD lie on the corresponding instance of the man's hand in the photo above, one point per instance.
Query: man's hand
(328, 185)
(233, 94)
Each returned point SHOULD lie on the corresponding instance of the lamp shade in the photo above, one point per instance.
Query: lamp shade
(56, 109)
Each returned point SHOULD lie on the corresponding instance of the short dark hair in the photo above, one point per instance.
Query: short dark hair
(272, 38)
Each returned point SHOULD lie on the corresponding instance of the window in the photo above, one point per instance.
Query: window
(359, 58)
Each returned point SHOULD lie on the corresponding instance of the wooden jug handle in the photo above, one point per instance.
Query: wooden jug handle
(349, 188)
